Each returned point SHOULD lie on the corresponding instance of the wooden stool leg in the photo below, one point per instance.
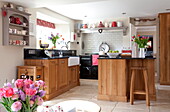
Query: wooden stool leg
(146, 87)
(132, 87)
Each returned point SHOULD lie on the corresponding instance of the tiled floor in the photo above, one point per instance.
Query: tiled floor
(88, 91)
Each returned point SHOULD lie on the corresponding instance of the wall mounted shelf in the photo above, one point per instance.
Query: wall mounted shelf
(91, 30)
(15, 21)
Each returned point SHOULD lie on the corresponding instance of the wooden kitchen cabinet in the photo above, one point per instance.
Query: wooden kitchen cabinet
(30, 72)
(164, 39)
(115, 77)
(62, 75)
(53, 78)
(56, 74)
(73, 76)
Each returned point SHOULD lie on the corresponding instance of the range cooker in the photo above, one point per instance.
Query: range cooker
(87, 69)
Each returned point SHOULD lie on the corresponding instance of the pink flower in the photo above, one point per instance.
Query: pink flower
(30, 92)
(22, 95)
(40, 101)
(15, 96)
(40, 83)
(8, 85)
(8, 92)
(27, 83)
(19, 83)
(1, 92)
(31, 103)
(133, 37)
(16, 106)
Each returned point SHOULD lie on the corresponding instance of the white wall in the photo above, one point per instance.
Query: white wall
(52, 14)
(126, 39)
(10, 57)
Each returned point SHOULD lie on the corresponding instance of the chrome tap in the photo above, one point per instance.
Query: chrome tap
(60, 54)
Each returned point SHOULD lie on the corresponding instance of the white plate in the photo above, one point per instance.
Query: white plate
(104, 47)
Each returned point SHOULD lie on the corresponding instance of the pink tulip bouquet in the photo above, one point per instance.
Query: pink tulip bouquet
(25, 96)
(141, 41)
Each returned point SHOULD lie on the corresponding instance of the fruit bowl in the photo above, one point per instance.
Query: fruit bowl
(113, 55)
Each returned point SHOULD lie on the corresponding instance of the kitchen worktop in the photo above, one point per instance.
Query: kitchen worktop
(56, 57)
(126, 58)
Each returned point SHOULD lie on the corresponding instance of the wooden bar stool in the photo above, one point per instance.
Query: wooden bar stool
(132, 91)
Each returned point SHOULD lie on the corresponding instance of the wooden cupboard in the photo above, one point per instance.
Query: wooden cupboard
(115, 76)
(164, 40)
(56, 75)
(30, 72)
(63, 73)
(73, 76)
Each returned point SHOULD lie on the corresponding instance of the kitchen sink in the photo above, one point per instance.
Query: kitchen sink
(73, 61)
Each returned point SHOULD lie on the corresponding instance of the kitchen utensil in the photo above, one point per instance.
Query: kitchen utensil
(101, 53)
(114, 24)
(106, 24)
(44, 45)
(101, 24)
(14, 31)
(23, 32)
(104, 47)
(119, 24)
(48, 53)
(20, 8)
(113, 55)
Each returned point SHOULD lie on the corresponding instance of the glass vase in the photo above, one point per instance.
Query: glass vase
(141, 52)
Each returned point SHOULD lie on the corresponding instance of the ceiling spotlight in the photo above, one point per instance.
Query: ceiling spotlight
(123, 13)
(85, 16)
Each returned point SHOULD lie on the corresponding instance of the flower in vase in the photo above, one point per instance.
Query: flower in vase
(16, 106)
(30, 92)
(31, 103)
(140, 40)
(40, 101)
(8, 92)
(19, 83)
(1, 92)
(15, 96)
(54, 38)
(42, 93)
(22, 95)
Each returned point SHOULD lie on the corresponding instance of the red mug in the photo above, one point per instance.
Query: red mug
(17, 42)
(114, 24)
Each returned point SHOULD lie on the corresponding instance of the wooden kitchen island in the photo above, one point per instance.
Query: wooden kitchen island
(115, 74)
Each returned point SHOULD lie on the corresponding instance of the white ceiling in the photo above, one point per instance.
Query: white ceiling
(77, 9)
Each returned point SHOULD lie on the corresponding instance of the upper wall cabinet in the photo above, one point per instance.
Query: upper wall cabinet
(15, 27)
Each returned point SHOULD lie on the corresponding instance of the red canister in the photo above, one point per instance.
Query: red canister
(114, 24)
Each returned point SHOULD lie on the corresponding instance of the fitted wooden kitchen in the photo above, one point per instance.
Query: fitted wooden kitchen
(58, 77)
(115, 76)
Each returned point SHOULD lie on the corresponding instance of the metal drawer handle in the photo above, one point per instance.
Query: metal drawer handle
(62, 61)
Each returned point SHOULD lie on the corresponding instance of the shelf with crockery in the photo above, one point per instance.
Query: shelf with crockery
(15, 27)
(24, 25)
(101, 29)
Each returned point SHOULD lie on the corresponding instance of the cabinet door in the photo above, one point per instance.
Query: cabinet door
(164, 48)
(63, 67)
(74, 74)
(69, 75)
(53, 75)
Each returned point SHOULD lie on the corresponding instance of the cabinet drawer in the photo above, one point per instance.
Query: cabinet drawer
(26, 71)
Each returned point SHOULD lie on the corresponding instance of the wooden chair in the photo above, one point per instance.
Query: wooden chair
(132, 91)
